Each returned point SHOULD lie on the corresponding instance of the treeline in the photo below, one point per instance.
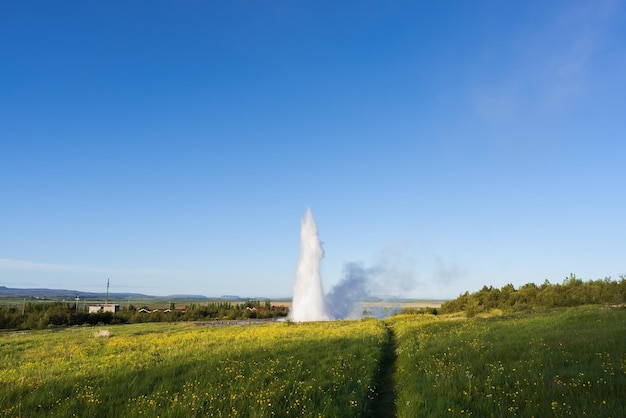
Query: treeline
(572, 292)
(55, 314)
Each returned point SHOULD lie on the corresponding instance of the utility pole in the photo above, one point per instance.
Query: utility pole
(106, 299)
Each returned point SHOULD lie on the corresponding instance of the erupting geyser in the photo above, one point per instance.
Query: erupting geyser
(308, 297)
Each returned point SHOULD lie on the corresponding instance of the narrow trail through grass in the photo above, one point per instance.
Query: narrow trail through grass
(385, 405)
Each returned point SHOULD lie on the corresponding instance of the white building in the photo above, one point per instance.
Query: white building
(105, 307)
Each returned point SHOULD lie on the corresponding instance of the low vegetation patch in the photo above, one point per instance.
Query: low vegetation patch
(103, 333)
(42, 315)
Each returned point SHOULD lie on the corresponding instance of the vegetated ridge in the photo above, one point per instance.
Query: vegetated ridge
(573, 292)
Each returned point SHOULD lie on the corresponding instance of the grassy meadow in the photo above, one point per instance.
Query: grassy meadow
(182, 370)
(561, 363)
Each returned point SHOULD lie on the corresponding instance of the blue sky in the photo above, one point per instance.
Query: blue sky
(174, 148)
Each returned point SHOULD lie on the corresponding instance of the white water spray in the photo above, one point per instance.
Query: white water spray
(308, 297)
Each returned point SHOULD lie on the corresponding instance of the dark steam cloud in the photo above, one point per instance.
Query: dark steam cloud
(352, 289)
(392, 276)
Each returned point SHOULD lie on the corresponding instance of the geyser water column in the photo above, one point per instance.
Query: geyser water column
(308, 296)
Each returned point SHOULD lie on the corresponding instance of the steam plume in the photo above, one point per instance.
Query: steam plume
(355, 287)
(308, 297)
(391, 274)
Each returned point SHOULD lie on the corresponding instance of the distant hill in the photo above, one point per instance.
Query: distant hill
(185, 297)
(67, 294)
(43, 293)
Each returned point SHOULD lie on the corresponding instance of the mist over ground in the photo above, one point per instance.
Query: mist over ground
(387, 278)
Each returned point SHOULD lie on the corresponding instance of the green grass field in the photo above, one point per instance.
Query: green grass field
(183, 370)
(561, 363)
(565, 363)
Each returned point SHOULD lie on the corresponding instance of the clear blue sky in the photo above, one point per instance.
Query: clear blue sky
(173, 147)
